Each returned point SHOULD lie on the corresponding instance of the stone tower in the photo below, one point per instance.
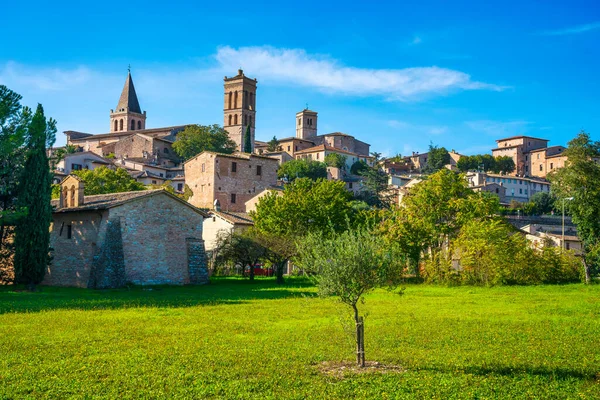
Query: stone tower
(128, 116)
(240, 107)
(306, 124)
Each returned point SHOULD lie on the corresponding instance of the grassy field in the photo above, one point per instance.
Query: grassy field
(235, 339)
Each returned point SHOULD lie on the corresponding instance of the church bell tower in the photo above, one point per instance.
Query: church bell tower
(240, 108)
(128, 115)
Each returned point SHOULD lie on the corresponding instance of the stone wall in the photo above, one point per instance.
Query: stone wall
(197, 262)
(200, 177)
(73, 257)
(154, 231)
(133, 146)
(108, 266)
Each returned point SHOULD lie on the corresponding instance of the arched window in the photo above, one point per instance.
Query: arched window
(121, 125)
(235, 96)
(66, 196)
(246, 119)
(230, 116)
(72, 196)
(235, 119)
(299, 121)
(252, 100)
(230, 97)
(139, 124)
(116, 125)
(245, 99)
(132, 125)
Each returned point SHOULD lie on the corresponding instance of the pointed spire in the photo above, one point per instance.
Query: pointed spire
(128, 99)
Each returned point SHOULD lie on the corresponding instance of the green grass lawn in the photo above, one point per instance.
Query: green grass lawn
(235, 339)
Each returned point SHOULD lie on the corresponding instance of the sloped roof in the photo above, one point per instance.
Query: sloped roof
(128, 99)
(236, 218)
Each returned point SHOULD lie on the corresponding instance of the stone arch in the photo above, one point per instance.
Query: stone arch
(235, 97)
(230, 98)
(139, 125)
(121, 124)
(133, 125)
(65, 195)
(235, 119)
(72, 196)
(116, 125)
(230, 118)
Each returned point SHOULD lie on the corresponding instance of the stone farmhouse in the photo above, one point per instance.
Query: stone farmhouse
(532, 156)
(106, 241)
(514, 187)
(220, 222)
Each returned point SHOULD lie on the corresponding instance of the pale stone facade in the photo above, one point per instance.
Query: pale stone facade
(128, 115)
(222, 223)
(543, 161)
(230, 179)
(518, 148)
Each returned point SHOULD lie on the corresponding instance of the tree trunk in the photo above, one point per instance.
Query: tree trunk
(360, 346)
(251, 273)
(279, 272)
(586, 269)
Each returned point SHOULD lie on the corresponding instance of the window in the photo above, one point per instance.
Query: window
(161, 175)
(299, 119)
(180, 187)
(350, 185)
(235, 119)
(230, 116)
(520, 191)
(568, 246)
(235, 96)
(133, 125)
(232, 198)
(76, 167)
(551, 165)
(288, 148)
(166, 151)
(497, 190)
(230, 97)
(203, 167)
(317, 156)
(525, 157)
(69, 231)
(541, 167)
(139, 124)
(259, 170)
(153, 182)
(234, 167)
(296, 148)
(525, 191)
(116, 125)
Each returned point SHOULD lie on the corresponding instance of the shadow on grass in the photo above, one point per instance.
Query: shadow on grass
(556, 373)
(219, 291)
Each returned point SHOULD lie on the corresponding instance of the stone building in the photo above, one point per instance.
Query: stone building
(542, 161)
(78, 161)
(228, 179)
(128, 115)
(104, 241)
(221, 223)
(518, 148)
(240, 108)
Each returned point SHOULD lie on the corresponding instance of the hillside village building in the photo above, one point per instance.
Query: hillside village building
(146, 237)
(228, 181)
(516, 188)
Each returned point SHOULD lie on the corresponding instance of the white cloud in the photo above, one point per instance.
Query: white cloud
(47, 79)
(295, 66)
(573, 30)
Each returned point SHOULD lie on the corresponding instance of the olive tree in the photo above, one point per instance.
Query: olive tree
(349, 265)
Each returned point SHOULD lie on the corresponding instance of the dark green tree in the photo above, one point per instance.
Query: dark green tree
(32, 235)
(104, 180)
(437, 158)
(302, 169)
(273, 145)
(248, 141)
(359, 167)
(195, 139)
(335, 160)
(505, 165)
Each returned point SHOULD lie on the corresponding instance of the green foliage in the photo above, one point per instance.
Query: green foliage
(239, 249)
(533, 342)
(248, 141)
(32, 236)
(302, 168)
(273, 145)
(541, 203)
(167, 186)
(55, 193)
(486, 163)
(295, 212)
(104, 180)
(195, 139)
(359, 167)
(396, 159)
(437, 158)
(336, 160)
(504, 165)
(580, 179)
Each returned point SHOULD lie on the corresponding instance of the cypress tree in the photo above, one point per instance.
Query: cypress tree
(248, 141)
(32, 236)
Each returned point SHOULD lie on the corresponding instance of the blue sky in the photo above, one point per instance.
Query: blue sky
(458, 74)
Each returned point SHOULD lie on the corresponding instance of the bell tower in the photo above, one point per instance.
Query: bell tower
(240, 108)
(306, 124)
(128, 116)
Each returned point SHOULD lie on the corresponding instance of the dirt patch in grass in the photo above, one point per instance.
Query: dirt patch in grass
(339, 369)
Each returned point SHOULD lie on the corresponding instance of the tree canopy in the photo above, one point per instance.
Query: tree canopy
(579, 179)
(335, 160)
(302, 168)
(437, 158)
(104, 180)
(195, 139)
(273, 145)
(486, 163)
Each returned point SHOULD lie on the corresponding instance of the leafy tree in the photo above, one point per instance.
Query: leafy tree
(375, 187)
(335, 160)
(239, 249)
(302, 168)
(359, 167)
(104, 180)
(396, 159)
(248, 141)
(195, 139)
(580, 179)
(437, 158)
(280, 248)
(294, 213)
(187, 192)
(349, 265)
(504, 165)
(60, 153)
(32, 235)
(541, 203)
(273, 145)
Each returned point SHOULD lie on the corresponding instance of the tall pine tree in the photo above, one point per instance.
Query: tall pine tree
(32, 236)
(248, 141)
